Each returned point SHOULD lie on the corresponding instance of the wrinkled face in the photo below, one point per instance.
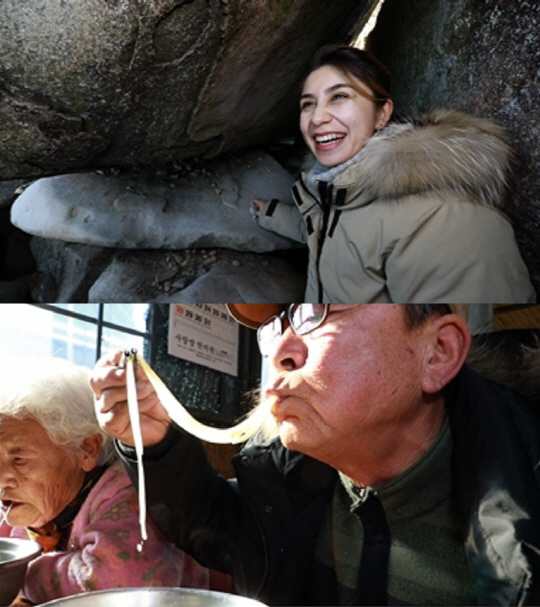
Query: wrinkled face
(37, 478)
(352, 379)
(336, 120)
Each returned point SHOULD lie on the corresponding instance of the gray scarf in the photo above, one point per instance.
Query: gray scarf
(318, 172)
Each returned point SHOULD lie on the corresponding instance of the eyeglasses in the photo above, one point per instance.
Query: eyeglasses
(302, 318)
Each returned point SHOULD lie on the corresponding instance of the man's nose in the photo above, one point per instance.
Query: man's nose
(290, 352)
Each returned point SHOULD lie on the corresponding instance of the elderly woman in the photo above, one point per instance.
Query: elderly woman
(390, 212)
(61, 485)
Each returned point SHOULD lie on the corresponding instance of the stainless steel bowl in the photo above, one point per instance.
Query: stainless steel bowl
(154, 597)
(15, 554)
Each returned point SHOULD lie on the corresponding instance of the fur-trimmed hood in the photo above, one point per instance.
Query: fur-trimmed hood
(443, 150)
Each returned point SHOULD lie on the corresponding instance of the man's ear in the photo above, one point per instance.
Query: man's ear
(89, 452)
(451, 340)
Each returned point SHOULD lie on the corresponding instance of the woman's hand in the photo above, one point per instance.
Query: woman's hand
(256, 206)
(108, 382)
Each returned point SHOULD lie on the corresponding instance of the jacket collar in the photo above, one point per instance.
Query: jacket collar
(444, 150)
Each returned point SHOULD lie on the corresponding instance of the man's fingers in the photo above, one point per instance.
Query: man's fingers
(107, 373)
(110, 397)
(111, 359)
(108, 382)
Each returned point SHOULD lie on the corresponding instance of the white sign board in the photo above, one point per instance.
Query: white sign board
(205, 334)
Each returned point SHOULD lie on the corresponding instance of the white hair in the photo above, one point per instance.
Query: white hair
(57, 394)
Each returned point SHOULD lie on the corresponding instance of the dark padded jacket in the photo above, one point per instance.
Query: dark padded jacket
(261, 526)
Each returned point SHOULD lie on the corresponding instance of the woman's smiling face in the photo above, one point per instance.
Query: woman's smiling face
(335, 119)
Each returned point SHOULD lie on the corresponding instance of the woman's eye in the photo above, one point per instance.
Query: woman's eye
(19, 461)
(339, 96)
(306, 105)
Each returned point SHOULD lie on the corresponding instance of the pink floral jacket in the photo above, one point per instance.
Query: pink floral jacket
(102, 549)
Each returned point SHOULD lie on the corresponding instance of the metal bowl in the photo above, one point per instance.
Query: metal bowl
(15, 554)
(154, 597)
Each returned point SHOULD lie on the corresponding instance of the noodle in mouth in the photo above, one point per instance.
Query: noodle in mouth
(4, 513)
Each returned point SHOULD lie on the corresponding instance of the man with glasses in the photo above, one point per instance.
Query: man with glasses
(389, 473)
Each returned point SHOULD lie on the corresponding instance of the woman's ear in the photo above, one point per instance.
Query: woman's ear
(450, 343)
(385, 112)
(89, 452)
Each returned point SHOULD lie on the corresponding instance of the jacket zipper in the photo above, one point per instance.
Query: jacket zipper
(265, 545)
(362, 493)
(325, 193)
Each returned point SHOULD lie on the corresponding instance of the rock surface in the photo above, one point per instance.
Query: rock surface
(481, 57)
(9, 190)
(202, 204)
(99, 83)
(221, 276)
(81, 273)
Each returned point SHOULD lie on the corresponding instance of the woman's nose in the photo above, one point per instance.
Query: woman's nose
(290, 352)
(7, 479)
(320, 115)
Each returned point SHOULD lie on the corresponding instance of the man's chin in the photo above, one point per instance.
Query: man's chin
(289, 435)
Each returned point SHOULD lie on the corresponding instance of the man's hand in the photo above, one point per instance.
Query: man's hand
(108, 381)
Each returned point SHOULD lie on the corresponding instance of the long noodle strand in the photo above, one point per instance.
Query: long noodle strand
(180, 416)
(135, 420)
(239, 433)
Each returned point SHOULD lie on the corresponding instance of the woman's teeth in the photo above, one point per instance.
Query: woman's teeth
(328, 138)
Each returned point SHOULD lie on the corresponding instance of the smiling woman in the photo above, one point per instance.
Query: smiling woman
(337, 120)
(341, 108)
(380, 194)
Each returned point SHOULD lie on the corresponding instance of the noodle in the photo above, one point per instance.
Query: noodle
(135, 421)
(180, 416)
(4, 513)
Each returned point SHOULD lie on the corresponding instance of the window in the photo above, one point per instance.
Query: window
(80, 333)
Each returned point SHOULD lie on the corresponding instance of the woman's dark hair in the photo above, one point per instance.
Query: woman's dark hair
(356, 63)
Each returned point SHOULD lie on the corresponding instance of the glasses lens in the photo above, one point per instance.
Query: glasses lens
(307, 317)
(267, 334)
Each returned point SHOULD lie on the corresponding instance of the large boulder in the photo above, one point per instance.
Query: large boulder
(125, 82)
(202, 204)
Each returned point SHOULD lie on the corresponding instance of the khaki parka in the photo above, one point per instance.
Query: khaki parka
(416, 216)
